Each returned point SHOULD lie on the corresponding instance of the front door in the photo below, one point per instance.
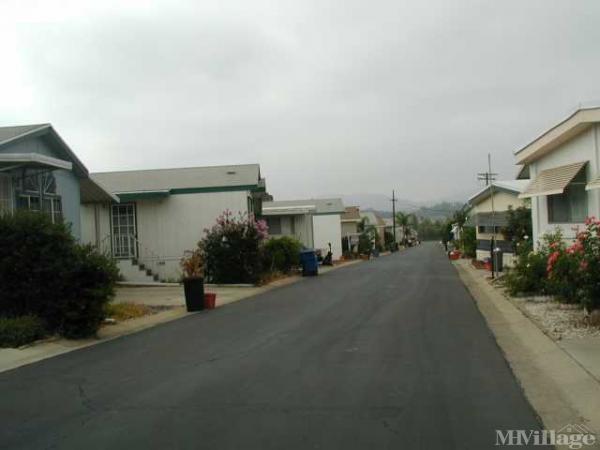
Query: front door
(124, 231)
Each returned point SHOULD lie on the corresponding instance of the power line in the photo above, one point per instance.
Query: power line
(488, 177)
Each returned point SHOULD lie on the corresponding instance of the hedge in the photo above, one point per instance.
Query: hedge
(44, 272)
(18, 331)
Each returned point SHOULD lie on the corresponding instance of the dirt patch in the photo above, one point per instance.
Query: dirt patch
(119, 312)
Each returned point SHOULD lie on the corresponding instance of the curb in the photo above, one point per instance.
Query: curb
(560, 390)
(131, 326)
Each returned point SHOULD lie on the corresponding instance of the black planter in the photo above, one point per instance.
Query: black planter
(194, 294)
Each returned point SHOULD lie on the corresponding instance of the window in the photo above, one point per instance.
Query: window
(571, 205)
(5, 194)
(124, 230)
(274, 224)
(36, 191)
(488, 229)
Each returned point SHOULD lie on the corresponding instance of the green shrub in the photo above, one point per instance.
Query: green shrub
(519, 225)
(45, 273)
(528, 276)
(282, 254)
(365, 244)
(91, 282)
(469, 242)
(21, 330)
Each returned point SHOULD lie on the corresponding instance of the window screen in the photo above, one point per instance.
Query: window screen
(571, 205)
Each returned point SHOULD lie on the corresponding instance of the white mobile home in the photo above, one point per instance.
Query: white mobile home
(314, 222)
(164, 212)
(564, 166)
(488, 222)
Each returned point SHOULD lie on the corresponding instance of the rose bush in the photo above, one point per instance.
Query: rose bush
(563, 271)
(586, 252)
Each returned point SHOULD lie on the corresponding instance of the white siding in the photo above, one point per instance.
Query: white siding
(328, 228)
(166, 227)
(95, 225)
(169, 226)
(502, 200)
(301, 228)
(582, 148)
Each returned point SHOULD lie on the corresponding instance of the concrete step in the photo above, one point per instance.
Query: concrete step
(131, 271)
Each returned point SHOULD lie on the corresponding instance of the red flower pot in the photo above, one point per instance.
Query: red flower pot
(210, 300)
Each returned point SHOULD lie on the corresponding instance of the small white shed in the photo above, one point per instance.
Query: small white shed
(314, 222)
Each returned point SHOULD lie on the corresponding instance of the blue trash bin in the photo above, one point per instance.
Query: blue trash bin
(310, 265)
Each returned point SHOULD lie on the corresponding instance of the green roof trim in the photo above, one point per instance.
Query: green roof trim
(204, 190)
(129, 196)
(142, 195)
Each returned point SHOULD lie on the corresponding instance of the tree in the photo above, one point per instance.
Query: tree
(519, 225)
(428, 229)
(406, 221)
(368, 234)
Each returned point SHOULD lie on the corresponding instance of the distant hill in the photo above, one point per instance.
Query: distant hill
(439, 211)
(376, 202)
(382, 204)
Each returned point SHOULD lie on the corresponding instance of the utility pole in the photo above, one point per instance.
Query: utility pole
(489, 177)
(394, 216)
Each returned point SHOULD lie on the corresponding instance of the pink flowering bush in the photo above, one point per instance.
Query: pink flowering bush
(587, 251)
(563, 273)
(573, 271)
(232, 249)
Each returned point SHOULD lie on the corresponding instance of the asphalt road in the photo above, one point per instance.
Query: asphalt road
(387, 354)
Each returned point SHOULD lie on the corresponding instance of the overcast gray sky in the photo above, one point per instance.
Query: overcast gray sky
(330, 97)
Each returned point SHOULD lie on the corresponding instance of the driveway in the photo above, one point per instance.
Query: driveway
(388, 354)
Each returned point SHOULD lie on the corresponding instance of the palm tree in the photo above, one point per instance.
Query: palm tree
(405, 221)
(368, 230)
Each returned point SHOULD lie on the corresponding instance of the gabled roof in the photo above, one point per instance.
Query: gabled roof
(315, 206)
(92, 192)
(511, 186)
(14, 134)
(567, 129)
(183, 179)
(9, 133)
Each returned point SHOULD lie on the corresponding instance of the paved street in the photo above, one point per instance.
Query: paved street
(388, 354)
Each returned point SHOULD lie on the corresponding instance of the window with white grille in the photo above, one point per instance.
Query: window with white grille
(5, 194)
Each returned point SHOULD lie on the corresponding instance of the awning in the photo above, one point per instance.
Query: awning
(91, 191)
(552, 181)
(288, 210)
(593, 185)
(9, 161)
